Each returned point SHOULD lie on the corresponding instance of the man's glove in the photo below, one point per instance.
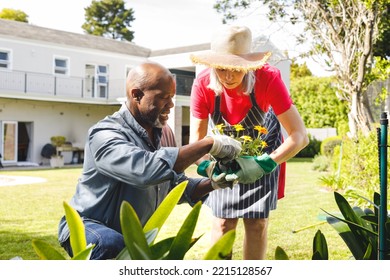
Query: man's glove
(225, 148)
(251, 168)
(211, 170)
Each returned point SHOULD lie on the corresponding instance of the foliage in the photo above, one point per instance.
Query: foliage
(320, 249)
(357, 227)
(312, 149)
(350, 27)
(140, 240)
(58, 141)
(321, 162)
(299, 70)
(317, 103)
(328, 145)
(16, 15)
(359, 167)
(81, 251)
(109, 18)
(382, 46)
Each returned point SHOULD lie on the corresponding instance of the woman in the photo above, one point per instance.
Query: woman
(239, 87)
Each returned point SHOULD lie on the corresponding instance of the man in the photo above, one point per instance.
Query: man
(124, 160)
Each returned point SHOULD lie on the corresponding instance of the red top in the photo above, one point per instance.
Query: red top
(270, 90)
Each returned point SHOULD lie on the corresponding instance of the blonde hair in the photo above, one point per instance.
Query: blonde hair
(248, 82)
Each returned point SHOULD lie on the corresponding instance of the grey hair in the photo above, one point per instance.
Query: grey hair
(248, 82)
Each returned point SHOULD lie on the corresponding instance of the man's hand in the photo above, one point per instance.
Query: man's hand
(251, 168)
(225, 148)
(211, 170)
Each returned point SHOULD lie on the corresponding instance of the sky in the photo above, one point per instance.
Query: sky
(162, 24)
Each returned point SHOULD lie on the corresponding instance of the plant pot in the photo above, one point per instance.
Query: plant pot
(57, 162)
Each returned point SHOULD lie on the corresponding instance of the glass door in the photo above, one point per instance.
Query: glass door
(9, 141)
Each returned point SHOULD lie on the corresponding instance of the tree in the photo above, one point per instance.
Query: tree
(342, 31)
(16, 15)
(299, 70)
(109, 18)
(318, 104)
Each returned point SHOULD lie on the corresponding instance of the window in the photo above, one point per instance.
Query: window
(61, 66)
(102, 80)
(5, 59)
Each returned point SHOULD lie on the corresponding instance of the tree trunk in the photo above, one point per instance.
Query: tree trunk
(360, 117)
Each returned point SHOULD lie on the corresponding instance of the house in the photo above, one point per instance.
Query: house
(57, 83)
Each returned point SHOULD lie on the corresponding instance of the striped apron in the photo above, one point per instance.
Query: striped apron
(253, 200)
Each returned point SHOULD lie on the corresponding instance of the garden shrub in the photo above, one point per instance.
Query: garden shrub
(312, 149)
(321, 163)
(359, 166)
(328, 145)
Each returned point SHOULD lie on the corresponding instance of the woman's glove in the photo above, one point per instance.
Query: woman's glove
(211, 170)
(251, 168)
(225, 148)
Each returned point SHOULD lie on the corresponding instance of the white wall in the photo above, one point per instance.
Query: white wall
(53, 118)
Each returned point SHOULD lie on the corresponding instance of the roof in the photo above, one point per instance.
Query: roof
(18, 29)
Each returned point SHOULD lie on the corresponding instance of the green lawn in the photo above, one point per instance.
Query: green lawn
(33, 211)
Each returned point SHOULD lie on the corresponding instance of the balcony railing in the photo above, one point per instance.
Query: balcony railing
(38, 84)
(52, 85)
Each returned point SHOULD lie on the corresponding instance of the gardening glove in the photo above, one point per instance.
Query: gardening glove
(211, 170)
(251, 168)
(225, 148)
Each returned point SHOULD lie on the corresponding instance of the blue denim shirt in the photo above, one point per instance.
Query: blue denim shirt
(121, 163)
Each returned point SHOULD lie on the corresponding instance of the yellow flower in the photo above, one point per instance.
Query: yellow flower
(219, 127)
(261, 129)
(250, 146)
(238, 127)
(246, 138)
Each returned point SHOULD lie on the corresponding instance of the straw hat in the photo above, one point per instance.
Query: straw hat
(231, 50)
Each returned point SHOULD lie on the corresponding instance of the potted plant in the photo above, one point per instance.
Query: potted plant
(57, 160)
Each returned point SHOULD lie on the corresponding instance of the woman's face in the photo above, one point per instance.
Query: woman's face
(230, 79)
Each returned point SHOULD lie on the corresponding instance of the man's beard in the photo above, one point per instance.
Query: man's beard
(158, 123)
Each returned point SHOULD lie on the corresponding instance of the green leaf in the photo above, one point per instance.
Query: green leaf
(280, 254)
(123, 255)
(182, 242)
(222, 248)
(85, 254)
(150, 236)
(349, 238)
(320, 246)
(133, 234)
(353, 219)
(78, 241)
(368, 253)
(161, 248)
(165, 208)
(45, 251)
(356, 243)
(317, 256)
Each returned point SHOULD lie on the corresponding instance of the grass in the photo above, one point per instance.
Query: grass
(33, 211)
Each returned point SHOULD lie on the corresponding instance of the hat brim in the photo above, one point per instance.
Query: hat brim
(244, 63)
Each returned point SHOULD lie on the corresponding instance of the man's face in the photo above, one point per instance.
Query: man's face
(156, 103)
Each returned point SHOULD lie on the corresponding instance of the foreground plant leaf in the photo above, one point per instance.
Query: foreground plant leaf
(222, 248)
(85, 254)
(183, 240)
(320, 247)
(133, 233)
(78, 241)
(280, 254)
(45, 251)
(161, 214)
